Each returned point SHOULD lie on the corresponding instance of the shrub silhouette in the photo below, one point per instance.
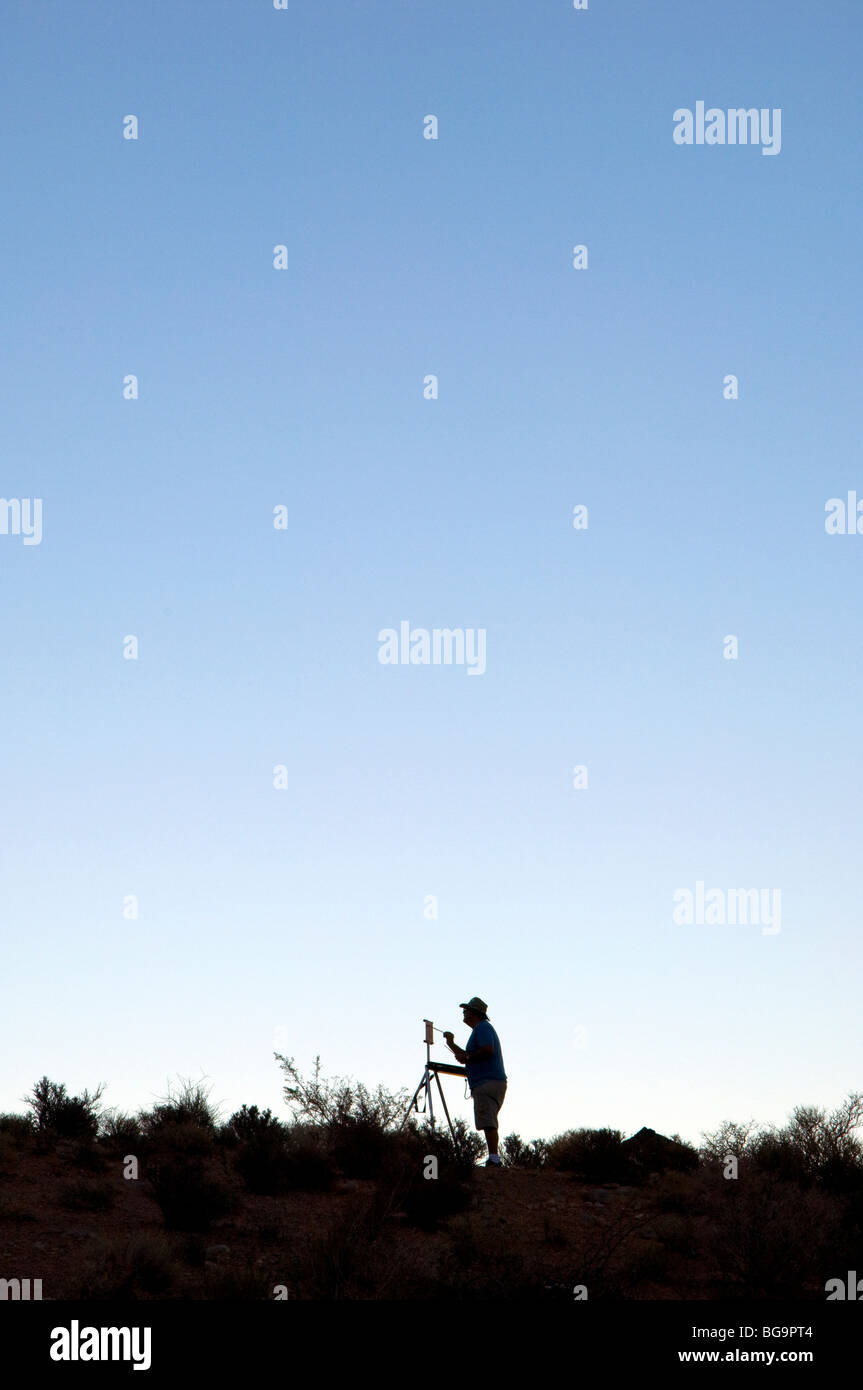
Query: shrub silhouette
(59, 1115)
(181, 1137)
(459, 1153)
(81, 1195)
(18, 1127)
(591, 1154)
(359, 1146)
(190, 1106)
(272, 1163)
(87, 1156)
(118, 1130)
(122, 1269)
(190, 1197)
(361, 1126)
(430, 1201)
(769, 1238)
(813, 1148)
(327, 1102)
(249, 1123)
(517, 1154)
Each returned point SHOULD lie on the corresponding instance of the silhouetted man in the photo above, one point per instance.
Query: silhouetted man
(485, 1074)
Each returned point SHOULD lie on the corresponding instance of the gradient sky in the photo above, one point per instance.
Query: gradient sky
(292, 920)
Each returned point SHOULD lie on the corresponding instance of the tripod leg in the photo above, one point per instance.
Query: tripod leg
(423, 1086)
(445, 1111)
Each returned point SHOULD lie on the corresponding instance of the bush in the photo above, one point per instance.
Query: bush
(519, 1155)
(458, 1153)
(82, 1195)
(190, 1106)
(123, 1269)
(813, 1147)
(770, 1239)
(17, 1127)
(85, 1156)
(593, 1155)
(429, 1201)
(332, 1102)
(359, 1146)
(178, 1137)
(190, 1198)
(249, 1123)
(58, 1115)
(120, 1131)
(271, 1165)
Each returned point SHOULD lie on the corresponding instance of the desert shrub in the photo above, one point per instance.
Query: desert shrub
(457, 1152)
(517, 1154)
(842, 1175)
(768, 1238)
(250, 1123)
(478, 1267)
(778, 1156)
(189, 1106)
(272, 1164)
(17, 1127)
(327, 1102)
(591, 1154)
(359, 1146)
(674, 1192)
(124, 1268)
(431, 1201)
(59, 1115)
(87, 1157)
(176, 1137)
(8, 1155)
(730, 1138)
(348, 1260)
(118, 1130)
(83, 1195)
(191, 1198)
(813, 1147)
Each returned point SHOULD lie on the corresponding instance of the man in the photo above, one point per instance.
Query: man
(485, 1074)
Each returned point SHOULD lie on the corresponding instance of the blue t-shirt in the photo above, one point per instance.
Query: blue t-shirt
(488, 1068)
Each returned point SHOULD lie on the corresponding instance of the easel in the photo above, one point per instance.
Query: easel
(430, 1070)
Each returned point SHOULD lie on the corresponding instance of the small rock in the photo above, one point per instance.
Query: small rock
(213, 1250)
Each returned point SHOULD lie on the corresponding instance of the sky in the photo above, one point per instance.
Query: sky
(228, 829)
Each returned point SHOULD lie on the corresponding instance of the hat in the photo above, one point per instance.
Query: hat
(478, 1005)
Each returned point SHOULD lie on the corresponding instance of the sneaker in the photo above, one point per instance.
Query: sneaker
(493, 1163)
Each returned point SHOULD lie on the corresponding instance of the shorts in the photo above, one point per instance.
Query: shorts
(487, 1099)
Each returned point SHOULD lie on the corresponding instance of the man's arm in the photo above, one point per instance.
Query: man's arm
(479, 1054)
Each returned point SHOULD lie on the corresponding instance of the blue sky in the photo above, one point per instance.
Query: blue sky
(293, 920)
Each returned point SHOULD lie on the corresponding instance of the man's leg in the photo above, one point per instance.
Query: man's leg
(491, 1141)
